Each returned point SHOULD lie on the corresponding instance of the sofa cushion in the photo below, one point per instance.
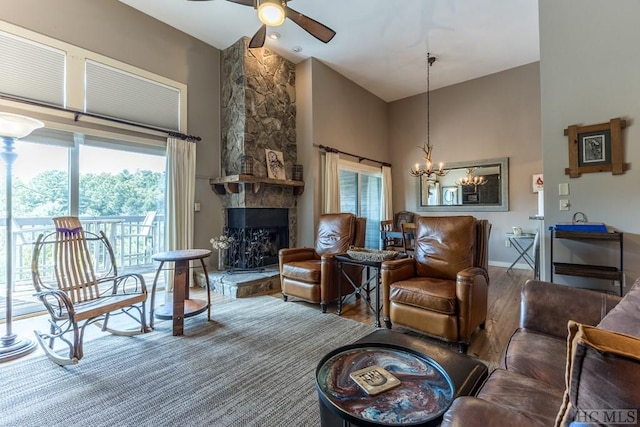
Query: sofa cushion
(467, 411)
(306, 271)
(428, 293)
(529, 397)
(603, 372)
(625, 316)
(537, 356)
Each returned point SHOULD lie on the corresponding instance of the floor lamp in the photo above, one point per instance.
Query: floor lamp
(12, 127)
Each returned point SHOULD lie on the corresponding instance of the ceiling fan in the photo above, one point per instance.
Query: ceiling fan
(273, 13)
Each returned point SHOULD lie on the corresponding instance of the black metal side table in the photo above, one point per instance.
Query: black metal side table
(372, 269)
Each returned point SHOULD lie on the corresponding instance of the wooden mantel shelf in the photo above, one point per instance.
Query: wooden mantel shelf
(231, 183)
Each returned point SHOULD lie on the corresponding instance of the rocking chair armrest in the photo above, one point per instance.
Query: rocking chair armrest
(61, 298)
(121, 281)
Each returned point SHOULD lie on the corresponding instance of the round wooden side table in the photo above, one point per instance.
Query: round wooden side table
(182, 305)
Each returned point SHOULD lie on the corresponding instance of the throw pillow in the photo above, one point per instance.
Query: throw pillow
(602, 377)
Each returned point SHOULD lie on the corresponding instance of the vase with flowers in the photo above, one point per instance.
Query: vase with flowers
(222, 244)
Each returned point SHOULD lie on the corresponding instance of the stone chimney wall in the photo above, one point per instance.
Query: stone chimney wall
(258, 109)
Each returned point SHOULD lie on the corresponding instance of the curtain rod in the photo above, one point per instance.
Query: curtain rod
(78, 114)
(360, 158)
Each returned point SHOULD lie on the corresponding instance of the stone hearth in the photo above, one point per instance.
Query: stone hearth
(242, 285)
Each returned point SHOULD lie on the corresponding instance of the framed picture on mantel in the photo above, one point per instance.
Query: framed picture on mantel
(275, 164)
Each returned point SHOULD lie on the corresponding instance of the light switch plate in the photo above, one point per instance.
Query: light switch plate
(564, 204)
(563, 189)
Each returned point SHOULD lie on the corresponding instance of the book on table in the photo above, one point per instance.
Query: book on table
(374, 379)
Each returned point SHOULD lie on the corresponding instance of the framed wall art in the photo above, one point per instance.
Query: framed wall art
(596, 148)
(450, 195)
(275, 164)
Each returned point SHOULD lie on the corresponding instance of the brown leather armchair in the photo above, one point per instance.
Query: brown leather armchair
(312, 273)
(442, 291)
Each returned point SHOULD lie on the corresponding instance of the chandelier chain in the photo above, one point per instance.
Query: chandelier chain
(428, 95)
(429, 170)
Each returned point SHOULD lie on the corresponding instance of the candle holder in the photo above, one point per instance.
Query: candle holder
(297, 172)
(246, 165)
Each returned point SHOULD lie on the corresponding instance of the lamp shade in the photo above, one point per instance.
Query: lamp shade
(17, 126)
(271, 12)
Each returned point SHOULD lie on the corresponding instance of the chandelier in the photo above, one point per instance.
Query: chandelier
(427, 148)
(472, 180)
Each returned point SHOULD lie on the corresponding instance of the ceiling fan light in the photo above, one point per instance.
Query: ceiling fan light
(271, 12)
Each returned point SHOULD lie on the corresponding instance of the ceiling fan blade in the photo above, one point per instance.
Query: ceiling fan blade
(242, 2)
(258, 38)
(313, 27)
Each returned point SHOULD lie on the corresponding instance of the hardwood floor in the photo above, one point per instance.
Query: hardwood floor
(502, 318)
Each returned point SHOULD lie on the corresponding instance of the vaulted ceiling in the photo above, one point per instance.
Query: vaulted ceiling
(381, 45)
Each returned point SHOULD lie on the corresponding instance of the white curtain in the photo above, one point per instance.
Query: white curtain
(331, 184)
(180, 198)
(386, 207)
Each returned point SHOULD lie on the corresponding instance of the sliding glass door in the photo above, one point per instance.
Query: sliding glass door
(113, 186)
(361, 194)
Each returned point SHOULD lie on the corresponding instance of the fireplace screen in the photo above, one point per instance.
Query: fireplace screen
(258, 234)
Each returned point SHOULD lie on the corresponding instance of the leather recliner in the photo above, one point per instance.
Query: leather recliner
(311, 274)
(443, 290)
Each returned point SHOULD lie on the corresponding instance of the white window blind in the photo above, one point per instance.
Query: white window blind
(119, 94)
(31, 70)
(51, 136)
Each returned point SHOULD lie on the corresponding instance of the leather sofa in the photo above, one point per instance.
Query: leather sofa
(558, 370)
(311, 274)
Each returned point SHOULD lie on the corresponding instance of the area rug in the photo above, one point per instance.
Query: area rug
(252, 365)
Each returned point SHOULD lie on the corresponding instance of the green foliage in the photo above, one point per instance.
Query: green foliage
(101, 194)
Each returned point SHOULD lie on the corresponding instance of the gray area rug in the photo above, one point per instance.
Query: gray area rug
(252, 365)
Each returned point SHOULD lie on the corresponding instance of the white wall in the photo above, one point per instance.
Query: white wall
(336, 112)
(589, 74)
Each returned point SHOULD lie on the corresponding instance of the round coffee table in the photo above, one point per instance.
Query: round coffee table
(425, 393)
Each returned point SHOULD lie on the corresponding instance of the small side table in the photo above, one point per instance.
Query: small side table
(523, 249)
(370, 267)
(182, 306)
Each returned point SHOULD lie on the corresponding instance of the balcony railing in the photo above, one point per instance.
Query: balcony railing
(132, 241)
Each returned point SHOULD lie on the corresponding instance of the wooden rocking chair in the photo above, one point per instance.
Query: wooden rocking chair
(75, 295)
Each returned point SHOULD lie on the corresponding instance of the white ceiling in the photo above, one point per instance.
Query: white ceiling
(380, 44)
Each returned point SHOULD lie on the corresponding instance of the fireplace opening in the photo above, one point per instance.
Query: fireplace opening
(258, 234)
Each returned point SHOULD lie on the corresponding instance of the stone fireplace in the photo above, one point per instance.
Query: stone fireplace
(258, 112)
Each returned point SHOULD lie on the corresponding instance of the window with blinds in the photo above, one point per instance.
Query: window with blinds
(32, 70)
(51, 72)
(361, 194)
(119, 94)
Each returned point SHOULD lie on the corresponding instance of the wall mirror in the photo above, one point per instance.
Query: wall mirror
(445, 193)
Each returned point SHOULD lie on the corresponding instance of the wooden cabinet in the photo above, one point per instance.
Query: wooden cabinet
(606, 272)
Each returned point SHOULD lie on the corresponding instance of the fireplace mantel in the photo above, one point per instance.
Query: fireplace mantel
(231, 184)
